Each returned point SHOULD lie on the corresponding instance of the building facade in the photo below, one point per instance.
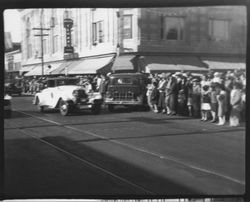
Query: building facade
(203, 36)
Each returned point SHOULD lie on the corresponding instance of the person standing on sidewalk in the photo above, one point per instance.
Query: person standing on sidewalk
(222, 104)
(236, 105)
(161, 88)
(155, 97)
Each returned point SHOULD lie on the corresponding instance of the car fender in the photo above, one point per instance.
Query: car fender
(57, 98)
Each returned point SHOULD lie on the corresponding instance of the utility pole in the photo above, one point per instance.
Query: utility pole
(41, 35)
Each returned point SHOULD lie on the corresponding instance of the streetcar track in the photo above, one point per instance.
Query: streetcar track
(163, 157)
(74, 156)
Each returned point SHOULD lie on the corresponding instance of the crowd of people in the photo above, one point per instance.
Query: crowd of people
(35, 84)
(215, 97)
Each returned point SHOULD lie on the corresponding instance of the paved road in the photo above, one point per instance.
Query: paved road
(119, 154)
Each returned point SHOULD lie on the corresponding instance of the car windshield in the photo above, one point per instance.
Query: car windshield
(124, 81)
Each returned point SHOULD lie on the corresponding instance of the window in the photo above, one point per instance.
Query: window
(97, 32)
(28, 28)
(127, 26)
(29, 51)
(173, 28)
(218, 30)
(45, 46)
(55, 44)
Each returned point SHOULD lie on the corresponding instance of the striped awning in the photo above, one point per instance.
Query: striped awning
(174, 63)
(37, 70)
(83, 66)
(219, 63)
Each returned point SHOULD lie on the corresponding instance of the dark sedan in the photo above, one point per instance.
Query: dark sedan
(12, 89)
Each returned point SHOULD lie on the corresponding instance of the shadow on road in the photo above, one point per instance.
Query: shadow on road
(35, 172)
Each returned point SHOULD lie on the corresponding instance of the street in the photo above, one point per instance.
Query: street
(120, 154)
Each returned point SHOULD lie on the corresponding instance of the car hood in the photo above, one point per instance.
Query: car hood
(68, 88)
(7, 97)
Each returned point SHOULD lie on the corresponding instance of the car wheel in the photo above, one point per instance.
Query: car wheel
(111, 108)
(8, 114)
(39, 107)
(64, 108)
(96, 109)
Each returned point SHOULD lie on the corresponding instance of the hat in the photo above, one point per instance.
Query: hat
(185, 75)
(216, 74)
(178, 74)
(195, 80)
(162, 75)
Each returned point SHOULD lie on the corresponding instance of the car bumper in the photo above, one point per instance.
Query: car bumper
(83, 106)
(7, 108)
(123, 102)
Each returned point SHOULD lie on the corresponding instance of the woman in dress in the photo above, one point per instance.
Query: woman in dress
(205, 103)
(222, 104)
(236, 105)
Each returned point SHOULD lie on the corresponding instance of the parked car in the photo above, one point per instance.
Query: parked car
(65, 93)
(11, 88)
(7, 106)
(127, 89)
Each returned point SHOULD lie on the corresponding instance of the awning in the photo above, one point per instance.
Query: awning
(216, 63)
(90, 66)
(37, 71)
(27, 68)
(83, 66)
(174, 63)
(123, 63)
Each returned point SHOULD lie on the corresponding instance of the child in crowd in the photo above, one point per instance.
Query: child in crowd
(205, 103)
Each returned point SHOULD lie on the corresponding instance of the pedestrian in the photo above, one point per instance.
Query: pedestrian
(236, 105)
(214, 102)
(222, 103)
(205, 103)
(161, 87)
(182, 96)
(103, 86)
(148, 94)
(173, 95)
(196, 97)
(189, 96)
(155, 97)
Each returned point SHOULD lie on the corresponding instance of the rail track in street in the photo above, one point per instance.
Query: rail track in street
(129, 146)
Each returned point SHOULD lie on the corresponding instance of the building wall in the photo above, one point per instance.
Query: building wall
(82, 33)
(196, 30)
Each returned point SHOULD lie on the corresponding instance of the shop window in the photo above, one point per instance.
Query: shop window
(97, 32)
(55, 44)
(127, 27)
(218, 30)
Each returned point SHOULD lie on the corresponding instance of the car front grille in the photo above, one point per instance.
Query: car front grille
(6, 102)
(123, 96)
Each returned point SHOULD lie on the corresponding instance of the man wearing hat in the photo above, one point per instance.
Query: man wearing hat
(161, 87)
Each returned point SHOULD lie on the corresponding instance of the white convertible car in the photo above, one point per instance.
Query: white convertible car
(65, 94)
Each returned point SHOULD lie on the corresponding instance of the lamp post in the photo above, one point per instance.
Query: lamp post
(41, 35)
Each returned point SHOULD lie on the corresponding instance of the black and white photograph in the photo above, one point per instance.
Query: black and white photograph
(125, 103)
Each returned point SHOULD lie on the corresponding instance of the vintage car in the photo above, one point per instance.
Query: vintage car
(127, 89)
(7, 106)
(65, 94)
(11, 88)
